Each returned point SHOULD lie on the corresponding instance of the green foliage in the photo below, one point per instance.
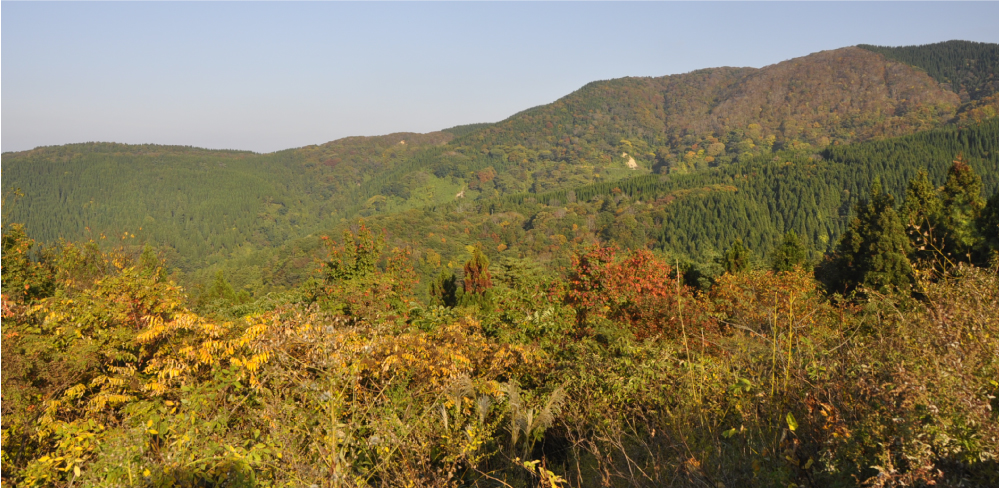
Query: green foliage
(444, 290)
(921, 212)
(961, 203)
(24, 278)
(593, 340)
(354, 258)
(200, 208)
(358, 279)
(968, 67)
(945, 224)
(988, 228)
(790, 254)
(874, 250)
(737, 258)
(613, 372)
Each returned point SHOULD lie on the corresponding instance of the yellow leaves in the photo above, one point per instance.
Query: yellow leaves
(792, 423)
(436, 358)
(205, 345)
(155, 388)
(758, 299)
(75, 392)
(104, 399)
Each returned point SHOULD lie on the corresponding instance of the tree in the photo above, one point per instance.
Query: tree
(790, 254)
(478, 280)
(444, 289)
(358, 281)
(874, 250)
(987, 225)
(477, 277)
(962, 202)
(355, 258)
(921, 213)
(736, 258)
(23, 278)
(220, 290)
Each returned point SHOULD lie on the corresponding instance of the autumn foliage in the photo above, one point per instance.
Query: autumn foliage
(640, 290)
(613, 371)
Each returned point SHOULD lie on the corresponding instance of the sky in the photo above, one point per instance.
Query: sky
(265, 76)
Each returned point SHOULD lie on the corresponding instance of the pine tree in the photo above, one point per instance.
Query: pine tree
(874, 250)
(737, 257)
(921, 214)
(220, 290)
(477, 283)
(987, 227)
(444, 289)
(790, 254)
(477, 278)
(962, 202)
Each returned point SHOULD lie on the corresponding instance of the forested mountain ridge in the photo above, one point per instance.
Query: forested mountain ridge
(486, 306)
(207, 206)
(970, 69)
(197, 205)
(718, 114)
(693, 217)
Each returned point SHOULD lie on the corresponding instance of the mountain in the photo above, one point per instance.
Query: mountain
(830, 97)
(198, 205)
(732, 277)
(204, 207)
(971, 69)
(692, 217)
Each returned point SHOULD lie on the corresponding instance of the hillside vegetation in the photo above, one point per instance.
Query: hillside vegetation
(608, 372)
(198, 206)
(971, 69)
(774, 277)
(202, 207)
(692, 217)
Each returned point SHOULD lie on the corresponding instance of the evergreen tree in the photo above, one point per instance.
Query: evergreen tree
(874, 250)
(790, 254)
(921, 213)
(962, 202)
(987, 226)
(150, 264)
(736, 258)
(444, 289)
(477, 278)
(478, 281)
(220, 290)
(356, 258)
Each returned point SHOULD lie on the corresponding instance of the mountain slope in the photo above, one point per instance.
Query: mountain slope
(970, 69)
(198, 205)
(838, 96)
(693, 217)
(205, 206)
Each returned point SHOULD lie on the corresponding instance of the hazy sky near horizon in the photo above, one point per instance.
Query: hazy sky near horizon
(270, 76)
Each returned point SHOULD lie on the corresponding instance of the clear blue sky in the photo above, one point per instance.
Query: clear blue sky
(270, 76)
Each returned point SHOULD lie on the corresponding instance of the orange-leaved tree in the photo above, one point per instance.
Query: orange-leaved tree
(641, 290)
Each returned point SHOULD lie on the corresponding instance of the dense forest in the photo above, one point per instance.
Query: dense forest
(608, 371)
(970, 68)
(783, 276)
(209, 206)
(691, 217)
